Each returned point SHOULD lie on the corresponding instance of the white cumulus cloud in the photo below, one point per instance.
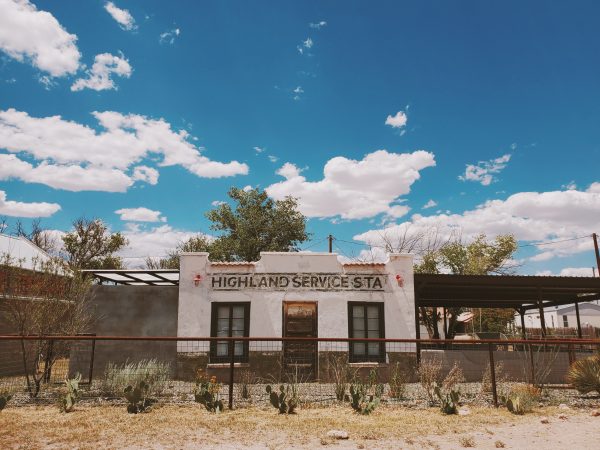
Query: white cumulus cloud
(532, 217)
(21, 209)
(317, 25)
(99, 76)
(140, 214)
(430, 204)
(168, 37)
(397, 121)
(155, 242)
(27, 34)
(354, 189)
(483, 172)
(122, 16)
(76, 157)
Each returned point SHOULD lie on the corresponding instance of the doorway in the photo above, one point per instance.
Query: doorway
(299, 357)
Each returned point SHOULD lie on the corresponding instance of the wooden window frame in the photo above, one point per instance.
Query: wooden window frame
(380, 357)
(243, 358)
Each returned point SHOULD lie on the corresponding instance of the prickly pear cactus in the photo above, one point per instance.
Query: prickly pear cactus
(67, 402)
(449, 401)
(361, 401)
(287, 399)
(4, 399)
(137, 398)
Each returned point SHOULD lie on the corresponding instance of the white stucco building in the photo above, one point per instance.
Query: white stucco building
(563, 316)
(296, 295)
(22, 252)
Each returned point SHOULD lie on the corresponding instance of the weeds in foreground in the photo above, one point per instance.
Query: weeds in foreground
(153, 372)
(467, 442)
(399, 377)
(339, 373)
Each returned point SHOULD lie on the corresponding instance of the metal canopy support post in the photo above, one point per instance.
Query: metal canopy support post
(231, 371)
(523, 332)
(579, 334)
(541, 309)
(417, 326)
(445, 325)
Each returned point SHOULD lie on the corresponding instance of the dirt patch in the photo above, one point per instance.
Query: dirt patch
(190, 426)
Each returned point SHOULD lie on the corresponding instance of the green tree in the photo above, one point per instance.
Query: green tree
(197, 243)
(90, 245)
(257, 223)
(480, 257)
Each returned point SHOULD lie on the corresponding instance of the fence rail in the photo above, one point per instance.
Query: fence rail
(35, 366)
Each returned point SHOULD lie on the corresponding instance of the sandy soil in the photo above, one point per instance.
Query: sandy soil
(191, 427)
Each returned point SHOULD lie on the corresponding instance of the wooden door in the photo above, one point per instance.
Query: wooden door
(299, 357)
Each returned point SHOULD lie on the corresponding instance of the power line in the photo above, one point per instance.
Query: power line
(314, 244)
(554, 242)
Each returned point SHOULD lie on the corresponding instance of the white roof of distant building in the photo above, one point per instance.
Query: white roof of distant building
(23, 252)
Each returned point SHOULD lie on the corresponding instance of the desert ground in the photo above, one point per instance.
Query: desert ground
(186, 426)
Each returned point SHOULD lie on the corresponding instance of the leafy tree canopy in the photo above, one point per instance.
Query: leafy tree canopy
(90, 245)
(480, 257)
(256, 223)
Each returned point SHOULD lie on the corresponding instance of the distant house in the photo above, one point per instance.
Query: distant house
(22, 252)
(563, 316)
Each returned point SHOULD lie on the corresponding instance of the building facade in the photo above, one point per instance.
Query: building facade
(296, 295)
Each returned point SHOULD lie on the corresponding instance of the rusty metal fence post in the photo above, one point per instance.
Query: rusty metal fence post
(231, 371)
(493, 374)
(92, 362)
(531, 364)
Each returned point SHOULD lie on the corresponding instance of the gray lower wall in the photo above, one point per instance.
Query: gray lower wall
(130, 311)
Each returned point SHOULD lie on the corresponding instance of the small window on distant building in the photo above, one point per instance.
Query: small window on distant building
(365, 320)
(229, 320)
(565, 321)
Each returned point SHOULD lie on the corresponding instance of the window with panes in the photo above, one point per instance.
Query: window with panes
(365, 320)
(229, 320)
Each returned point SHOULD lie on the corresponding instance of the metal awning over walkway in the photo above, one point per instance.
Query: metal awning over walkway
(521, 293)
(137, 277)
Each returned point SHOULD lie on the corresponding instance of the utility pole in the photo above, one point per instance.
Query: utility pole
(595, 237)
(330, 239)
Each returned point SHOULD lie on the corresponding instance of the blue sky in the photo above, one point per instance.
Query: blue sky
(493, 117)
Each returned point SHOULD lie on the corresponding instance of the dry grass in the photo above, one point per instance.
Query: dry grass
(191, 426)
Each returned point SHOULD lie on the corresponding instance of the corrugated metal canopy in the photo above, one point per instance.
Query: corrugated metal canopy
(137, 277)
(503, 291)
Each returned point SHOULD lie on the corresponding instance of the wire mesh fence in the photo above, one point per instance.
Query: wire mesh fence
(34, 369)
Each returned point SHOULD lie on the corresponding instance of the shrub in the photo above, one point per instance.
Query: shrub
(337, 367)
(454, 377)
(286, 401)
(207, 393)
(429, 376)
(153, 372)
(4, 399)
(137, 398)
(365, 396)
(584, 374)
(70, 397)
(398, 379)
(522, 398)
